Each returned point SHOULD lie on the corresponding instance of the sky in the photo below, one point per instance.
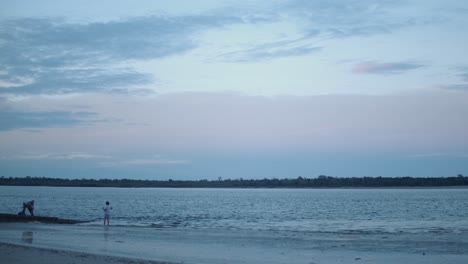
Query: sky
(190, 90)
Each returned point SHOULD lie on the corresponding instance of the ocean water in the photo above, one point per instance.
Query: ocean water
(441, 211)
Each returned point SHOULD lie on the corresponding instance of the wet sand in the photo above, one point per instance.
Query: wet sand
(49, 243)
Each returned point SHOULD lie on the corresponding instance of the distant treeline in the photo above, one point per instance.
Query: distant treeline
(300, 182)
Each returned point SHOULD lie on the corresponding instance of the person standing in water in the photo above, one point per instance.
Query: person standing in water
(106, 210)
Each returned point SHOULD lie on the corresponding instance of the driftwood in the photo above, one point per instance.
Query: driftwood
(42, 219)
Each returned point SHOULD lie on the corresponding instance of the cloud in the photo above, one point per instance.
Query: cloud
(267, 52)
(227, 123)
(12, 120)
(438, 155)
(57, 57)
(384, 68)
(110, 160)
(64, 43)
(63, 81)
(196, 124)
(318, 20)
(462, 85)
(348, 18)
(59, 156)
(465, 76)
(456, 87)
(142, 162)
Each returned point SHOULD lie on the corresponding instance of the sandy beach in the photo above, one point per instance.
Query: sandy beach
(20, 254)
(49, 243)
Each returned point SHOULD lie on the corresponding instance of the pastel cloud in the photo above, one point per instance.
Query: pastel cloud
(371, 67)
(192, 122)
(202, 134)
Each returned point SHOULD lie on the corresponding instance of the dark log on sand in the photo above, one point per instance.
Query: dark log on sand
(42, 219)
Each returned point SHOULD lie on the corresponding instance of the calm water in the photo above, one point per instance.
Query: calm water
(289, 210)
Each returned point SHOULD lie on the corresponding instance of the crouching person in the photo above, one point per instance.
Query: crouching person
(30, 206)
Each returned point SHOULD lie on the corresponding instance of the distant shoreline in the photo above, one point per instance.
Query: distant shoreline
(259, 188)
(320, 182)
(249, 187)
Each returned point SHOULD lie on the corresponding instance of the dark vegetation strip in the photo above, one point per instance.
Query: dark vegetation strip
(300, 182)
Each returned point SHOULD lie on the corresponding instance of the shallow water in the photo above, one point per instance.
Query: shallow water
(250, 225)
(335, 211)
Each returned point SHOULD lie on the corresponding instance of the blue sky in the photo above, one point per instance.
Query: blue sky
(251, 89)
